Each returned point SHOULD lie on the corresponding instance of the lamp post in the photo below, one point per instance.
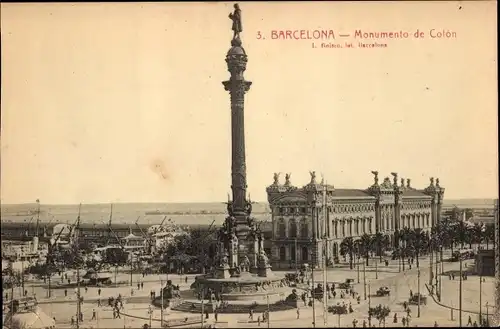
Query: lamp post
(480, 297)
(418, 292)
(150, 312)
(268, 311)
(313, 295)
(460, 295)
(357, 266)
(364, 278)
(369, 305)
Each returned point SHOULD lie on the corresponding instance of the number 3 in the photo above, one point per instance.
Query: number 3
(259, 36)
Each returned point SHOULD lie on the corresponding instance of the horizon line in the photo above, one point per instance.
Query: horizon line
(186, 202)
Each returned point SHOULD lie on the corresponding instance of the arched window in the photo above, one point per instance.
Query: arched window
(343, 228)
(387, 223)
(356, 227)
(336, 228)
(293, 229)
(293, 253)
(427, 220)
(413, 221)
(304, 230)
(281, 229)
(305, 254)
(282, 253)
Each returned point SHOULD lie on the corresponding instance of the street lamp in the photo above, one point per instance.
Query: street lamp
(418, 292)
(150, 312)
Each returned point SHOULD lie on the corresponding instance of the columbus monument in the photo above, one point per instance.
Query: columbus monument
(242, 270)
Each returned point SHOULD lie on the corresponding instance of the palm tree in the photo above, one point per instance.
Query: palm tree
(348, 247)
(381, 242)
(476, 234)
(365, 244)
(418, 243)
(404, 237)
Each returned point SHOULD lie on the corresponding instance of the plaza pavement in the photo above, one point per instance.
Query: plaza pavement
(399, 284)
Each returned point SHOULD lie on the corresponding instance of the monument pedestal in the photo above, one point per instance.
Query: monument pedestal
(222, 272)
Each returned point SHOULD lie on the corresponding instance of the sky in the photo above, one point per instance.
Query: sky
(110, 102)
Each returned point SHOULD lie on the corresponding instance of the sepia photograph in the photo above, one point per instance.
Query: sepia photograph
(252, 164)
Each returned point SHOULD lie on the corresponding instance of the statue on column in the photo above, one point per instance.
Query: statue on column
(245, 264)
(224, 259)
(263, 259)
(236, 18)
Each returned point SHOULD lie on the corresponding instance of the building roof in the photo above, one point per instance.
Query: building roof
(410, 192)
(349, 193)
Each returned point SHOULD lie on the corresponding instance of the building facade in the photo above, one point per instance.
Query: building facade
(309, 223)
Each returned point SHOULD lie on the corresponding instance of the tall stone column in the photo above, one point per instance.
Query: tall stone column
(237, 86)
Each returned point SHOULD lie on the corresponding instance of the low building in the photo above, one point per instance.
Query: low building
(309, 223)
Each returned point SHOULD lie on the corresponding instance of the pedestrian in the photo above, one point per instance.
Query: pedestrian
(138, 286)
(364, 323)
(206, 314)
(435, 324)
(403, 320)
(216, 314)
(142, 285)
(86, 289)
(298, 313)
(72, 321)
(250, 314)
(118, 314)
(99, 291)
(65, 292)
(93, 315)
(98, 302)
(475, 324)
(354, 323)
(411, 293)
(186, 280)
(469, 322)
(81, 316)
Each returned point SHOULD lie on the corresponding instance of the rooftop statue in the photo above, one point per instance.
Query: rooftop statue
(276, 178)
(313, 177)
(375, 177)
(287, 179)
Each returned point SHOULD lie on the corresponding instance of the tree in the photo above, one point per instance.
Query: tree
(381, 242)
(338, 310)
(469, 213)
(380, 313)
(417, 243)
(404, 247)
(348, 247)
(190, 247)
(365, 246)
(476, 234)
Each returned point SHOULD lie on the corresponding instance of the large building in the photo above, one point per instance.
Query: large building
(310, 222)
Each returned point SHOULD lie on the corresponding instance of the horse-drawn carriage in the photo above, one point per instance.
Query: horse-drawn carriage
(418, 299)
(383, 291)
